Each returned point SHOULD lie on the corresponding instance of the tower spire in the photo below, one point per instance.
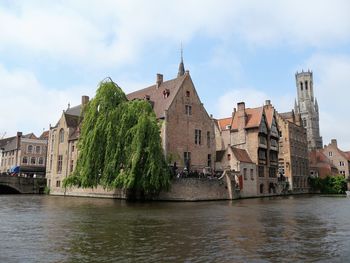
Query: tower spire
(181, 71)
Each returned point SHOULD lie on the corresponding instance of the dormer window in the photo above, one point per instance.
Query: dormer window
(188, 93)
(166, 93)
(228, 127)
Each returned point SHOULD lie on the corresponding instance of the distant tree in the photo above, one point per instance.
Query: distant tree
(119, 145)
(329, 185)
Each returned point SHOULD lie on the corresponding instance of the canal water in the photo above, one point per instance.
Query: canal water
(67, 229)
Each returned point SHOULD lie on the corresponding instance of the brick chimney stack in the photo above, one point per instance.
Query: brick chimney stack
(242, 116)
(334, 142)
(159, 80)
(84, 100)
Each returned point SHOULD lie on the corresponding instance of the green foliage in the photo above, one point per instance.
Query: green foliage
(329, 185)
(120, 145)
(47, 190)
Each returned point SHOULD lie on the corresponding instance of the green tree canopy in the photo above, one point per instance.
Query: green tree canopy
(119, 145)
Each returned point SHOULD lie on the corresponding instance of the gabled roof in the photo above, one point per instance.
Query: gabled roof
(72, 120)
(44, 135)
(30, 136)
(156, 95)
(74, 111)
(269, 113)
(8, 144)
(241, 155)
(222, 123)
(319, 159)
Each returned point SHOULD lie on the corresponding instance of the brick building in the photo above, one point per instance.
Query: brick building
(24, 154)
(339, 158)
(187, 130)
(293, 154)
(254, 130)
(62, 147)
(238, 160)
(320, 165)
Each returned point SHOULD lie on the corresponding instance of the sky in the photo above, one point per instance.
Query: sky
(53, 52)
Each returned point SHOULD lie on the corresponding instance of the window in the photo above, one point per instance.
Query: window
(272, 172)
(306, 86)
(304, 122)
(245, 173)
(262, 154)
(228, 127)
(261, 171)
(188, 110)
(58, 183)
(71, 165)
(261, 188)
(59, 163)
(37, 149)
(341, 163)
(229, 157)
(25, 160)
(209, 160)
(73, 147)
(30, 148)
(32, 160)
(330, 154)
(61, 136)
(208, 139)
(197, 137)
(252, 174)
(52, 141)
(50, 161)
(188, 93)
(41, 160)
(301, 86)
(187, 159)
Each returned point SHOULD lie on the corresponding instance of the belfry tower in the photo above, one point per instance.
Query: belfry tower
(307, 106)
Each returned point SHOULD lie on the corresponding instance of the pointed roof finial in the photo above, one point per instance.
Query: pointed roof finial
(181, 71)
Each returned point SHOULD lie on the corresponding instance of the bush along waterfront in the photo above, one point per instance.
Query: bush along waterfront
(120, 145)
(329, 185)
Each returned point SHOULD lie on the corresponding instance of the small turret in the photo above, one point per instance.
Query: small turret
(316, 105)
(181, 71)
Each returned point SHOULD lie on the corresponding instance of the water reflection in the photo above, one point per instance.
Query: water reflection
(57, 229)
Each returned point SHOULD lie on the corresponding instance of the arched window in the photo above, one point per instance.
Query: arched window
(37, 149)
(25, 160)
(306, 84)
(301, 86)
(30, 148)
(61, 136)
(32, 160)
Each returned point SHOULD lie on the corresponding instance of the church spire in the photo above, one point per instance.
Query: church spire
(181, 71)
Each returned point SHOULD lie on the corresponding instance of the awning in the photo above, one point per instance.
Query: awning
(14, 169)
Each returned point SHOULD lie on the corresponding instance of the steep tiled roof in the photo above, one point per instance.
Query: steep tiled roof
(220, 155)
(241, 155)
(30, 136)
(286, 115)
(72, 120)
(156, 95)
(318, 159)
(6, 141)
(269, 111)
(74, 111)
(44, 135)
(224, 122)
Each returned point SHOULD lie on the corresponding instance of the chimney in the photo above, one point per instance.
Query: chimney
(84, 100)
(267, 102)
(334, 142)
(159, 80)
(18, 140)
(242, 117)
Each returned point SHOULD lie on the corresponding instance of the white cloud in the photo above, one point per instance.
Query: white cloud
(112, 33)
(332, 80)
(27, 106)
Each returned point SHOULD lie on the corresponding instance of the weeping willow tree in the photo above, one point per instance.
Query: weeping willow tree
(119, 145)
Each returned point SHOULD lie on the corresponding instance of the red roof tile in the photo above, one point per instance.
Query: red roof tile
(241, 155)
